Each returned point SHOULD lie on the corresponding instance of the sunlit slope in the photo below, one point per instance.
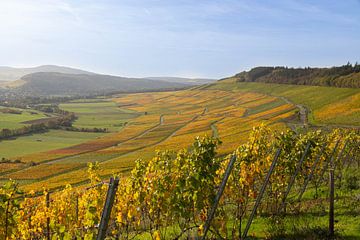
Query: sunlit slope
(327, 105)
(163, 121)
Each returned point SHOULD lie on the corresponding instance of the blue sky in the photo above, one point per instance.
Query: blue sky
(195, 38)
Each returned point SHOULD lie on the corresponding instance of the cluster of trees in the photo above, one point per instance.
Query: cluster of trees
(6, 160)
(49, 108)
(53, 123)
(169, 197)
(82, 129)
(344, 76)
(19, 101)
(11, 111)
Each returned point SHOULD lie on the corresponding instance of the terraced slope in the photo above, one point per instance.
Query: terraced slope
(164, 120)
(171, 120)
(326, 105)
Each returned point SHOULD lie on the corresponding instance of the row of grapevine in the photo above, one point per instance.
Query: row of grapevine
(170, 196)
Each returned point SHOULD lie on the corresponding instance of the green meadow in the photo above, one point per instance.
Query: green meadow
(13, 121)
(99, 114)
(53, 139)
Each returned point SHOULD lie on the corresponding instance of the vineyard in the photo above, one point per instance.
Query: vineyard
(179, 120)
(139, 124)
(334, 106)
(279, 177)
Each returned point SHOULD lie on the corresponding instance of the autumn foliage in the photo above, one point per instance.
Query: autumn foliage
(169, 196)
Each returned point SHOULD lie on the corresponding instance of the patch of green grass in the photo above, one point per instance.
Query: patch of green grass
(13, 121)
(266, 106)
(99, 114)
(53, 139)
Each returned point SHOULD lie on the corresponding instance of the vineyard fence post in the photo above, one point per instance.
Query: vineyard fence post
(48, 218)
(77, 207)
(218, 195)
(332, 191)
(259, 197)
(105, 216)
(293, 177)
(331, 199)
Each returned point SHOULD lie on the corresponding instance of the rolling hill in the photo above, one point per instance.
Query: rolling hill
(12, 74)
(53, 83)
(324, 106)
(140, 124)
(58, 80)
(347, 76)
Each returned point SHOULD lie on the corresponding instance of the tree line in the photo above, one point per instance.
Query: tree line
(347, 76)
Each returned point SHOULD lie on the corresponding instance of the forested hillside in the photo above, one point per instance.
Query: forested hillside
(60, 84)
(347, 76)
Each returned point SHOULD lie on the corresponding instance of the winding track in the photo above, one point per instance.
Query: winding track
(303, 111)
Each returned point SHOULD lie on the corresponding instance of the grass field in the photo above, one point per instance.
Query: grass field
(13, 121)
(51, 140)
(99, 114)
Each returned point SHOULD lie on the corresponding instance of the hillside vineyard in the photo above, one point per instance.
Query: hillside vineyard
(159, 197)
(168, 186)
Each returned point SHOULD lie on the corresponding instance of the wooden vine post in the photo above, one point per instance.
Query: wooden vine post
(48, 237)
(331, 199)
(218, 196)
(105, 216)
(259, 197)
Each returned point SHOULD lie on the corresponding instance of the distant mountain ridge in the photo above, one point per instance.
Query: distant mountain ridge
(60, 84)
(347, 76)
(58, 80)
(12, 73)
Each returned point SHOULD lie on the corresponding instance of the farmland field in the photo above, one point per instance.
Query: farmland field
(142, 123)
(327, 105)
(51, 140)
(13, 121)
(98, 114)
(159, 120)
